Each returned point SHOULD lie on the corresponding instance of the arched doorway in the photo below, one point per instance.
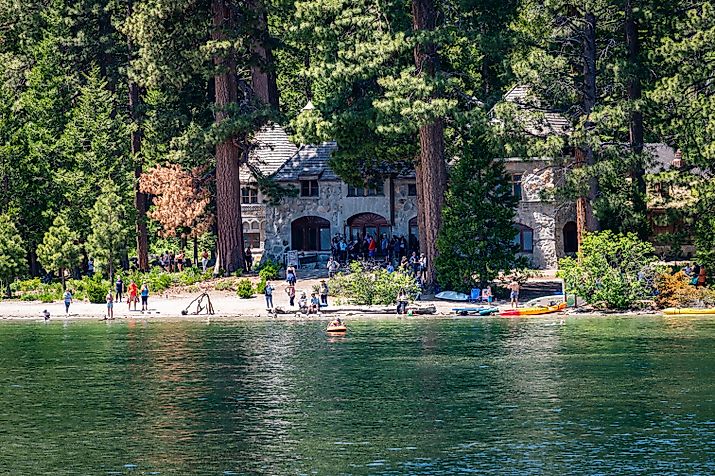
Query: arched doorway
(310, 233)
(414, 235)
(364, 224)
(570, 237)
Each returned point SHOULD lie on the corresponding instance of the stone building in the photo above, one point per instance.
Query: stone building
(324, 205)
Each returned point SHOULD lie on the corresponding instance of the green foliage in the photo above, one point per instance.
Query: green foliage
(225, 285)
(476, 242)
(12, 252)
(156, 279)
(610, 270)
(191, 276)
(109, 230)
(59, 249)
(261, 285)
(268, 269)
(363, 287)
(245, 289)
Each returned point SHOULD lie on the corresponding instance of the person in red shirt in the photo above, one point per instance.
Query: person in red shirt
(371, 247)
(133, 295)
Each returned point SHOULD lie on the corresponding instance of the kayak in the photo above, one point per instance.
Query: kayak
(673, 311)
(336, 329)
(482, 311)
(533, 311)
(452, 296)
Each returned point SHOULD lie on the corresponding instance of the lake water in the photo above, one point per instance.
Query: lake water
(498, 396)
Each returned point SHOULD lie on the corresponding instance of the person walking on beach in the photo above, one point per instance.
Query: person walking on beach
(290, 291)
(514, 295)
(133, 295)
(68, 301)
(145, 297)
(119, 288)
(110, 305)
(323, 293)
(269, 296)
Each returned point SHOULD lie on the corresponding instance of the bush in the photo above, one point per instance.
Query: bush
(225, 285)
(675, 290)
(157, 279)
(261, 286)
(191, 276)
(244, 289)
(610, 270)
(372, 287)
(269, 269)
(27, 285)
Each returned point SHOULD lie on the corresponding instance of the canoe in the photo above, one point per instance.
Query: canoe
(452, 296)
(336, 329)
(533, 311)
(482, 311)
(675, 311)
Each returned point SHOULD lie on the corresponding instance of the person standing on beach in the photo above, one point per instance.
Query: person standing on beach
(291, 276)
(133, 298)
(248, 255)
(269, 295)
(145, 297)
(119, 288)
(110, 305)
(68, 301)
(514, 295)
(332, 266)
(323, 293)
(290, 291)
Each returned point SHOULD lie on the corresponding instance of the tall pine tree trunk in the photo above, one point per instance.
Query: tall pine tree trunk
(636, 118)
(585, 218)
(140, 199)
(431, 170)
(263, 76)
(228, 186)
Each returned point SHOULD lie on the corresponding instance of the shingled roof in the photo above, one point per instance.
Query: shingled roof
(272, 148)
(310, 161)
(544, 122)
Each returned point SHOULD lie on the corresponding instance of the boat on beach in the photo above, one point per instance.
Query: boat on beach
(479, 311)
(452, 296)
(533, 311)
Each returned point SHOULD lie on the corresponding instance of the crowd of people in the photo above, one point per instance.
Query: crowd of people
(363, 247)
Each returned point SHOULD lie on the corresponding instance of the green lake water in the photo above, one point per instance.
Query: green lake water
(489, 396)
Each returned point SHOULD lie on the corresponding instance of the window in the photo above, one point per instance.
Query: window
(524, 238)
(516, 186)
(364, 224)
(252, 240)
(310, 234)
(375, 191)
(411, 189)
(308, 188)
(249, 195)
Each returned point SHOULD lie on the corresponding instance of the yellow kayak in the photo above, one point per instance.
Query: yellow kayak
(533, 311)
(675, 311)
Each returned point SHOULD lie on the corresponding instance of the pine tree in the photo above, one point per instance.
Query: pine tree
(12, 252)
(109, 225)
(477, 238)
(59, 250)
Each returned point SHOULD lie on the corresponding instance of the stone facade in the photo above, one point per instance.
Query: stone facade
(334, 205)
(536, 211)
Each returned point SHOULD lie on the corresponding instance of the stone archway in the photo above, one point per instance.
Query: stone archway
(363, 224)
(570, 237)
(310, 233)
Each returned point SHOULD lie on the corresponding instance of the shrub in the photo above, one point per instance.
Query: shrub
(157, 279)
(225, 285)
(268, 269)
(191, 276)
(26, 285)
(372, 287)
(261, 286)
(675, 290)
(611, 270)
(244, 289)
(238, 273)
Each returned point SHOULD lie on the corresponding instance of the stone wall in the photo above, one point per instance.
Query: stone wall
(544, 216)
(334, 205)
